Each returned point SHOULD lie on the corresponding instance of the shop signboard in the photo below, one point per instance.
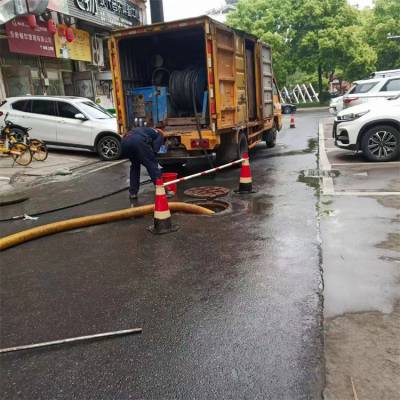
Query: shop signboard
(107, 13)
(78, 49)
(25, 40)
(58, 5)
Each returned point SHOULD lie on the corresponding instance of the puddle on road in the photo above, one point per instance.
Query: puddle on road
(361, 253)
(261, 204)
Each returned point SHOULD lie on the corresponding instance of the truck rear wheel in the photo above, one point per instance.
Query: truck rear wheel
(270, 136)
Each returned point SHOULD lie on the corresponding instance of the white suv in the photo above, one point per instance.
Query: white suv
(373, 128)
(372, 90)
(73, 122)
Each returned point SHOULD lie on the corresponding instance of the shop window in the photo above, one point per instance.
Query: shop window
(37, 87)
(56, 87)
(66, 110)
(44, 107)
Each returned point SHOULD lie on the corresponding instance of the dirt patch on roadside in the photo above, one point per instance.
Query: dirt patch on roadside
(366, 348)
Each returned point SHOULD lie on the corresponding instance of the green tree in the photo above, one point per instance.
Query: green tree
(269, 20)
(314, 36)
(382, 21)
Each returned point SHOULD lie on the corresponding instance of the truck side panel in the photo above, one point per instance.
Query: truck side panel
(224, 69)
(241, 115)
(266, 81)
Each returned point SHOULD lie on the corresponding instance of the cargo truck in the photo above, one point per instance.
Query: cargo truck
(210, 87)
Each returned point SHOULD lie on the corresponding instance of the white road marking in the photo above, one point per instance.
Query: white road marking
(366, 193)
(386, 164)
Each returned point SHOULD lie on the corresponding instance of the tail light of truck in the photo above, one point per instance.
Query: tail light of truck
(349, 100)
(212, 107)
(200, 144)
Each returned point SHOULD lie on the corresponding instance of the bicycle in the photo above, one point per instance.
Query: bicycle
(38, 147)
(18, 151)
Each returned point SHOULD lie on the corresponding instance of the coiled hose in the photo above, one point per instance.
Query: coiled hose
(186, 85)
(186, 89)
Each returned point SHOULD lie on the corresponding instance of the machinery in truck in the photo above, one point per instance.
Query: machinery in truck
(209, 87)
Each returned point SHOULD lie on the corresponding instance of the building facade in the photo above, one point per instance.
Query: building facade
(64, 51)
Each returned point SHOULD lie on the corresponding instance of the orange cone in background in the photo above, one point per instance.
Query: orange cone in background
(162, 214)
(246, 181)
(292, 124)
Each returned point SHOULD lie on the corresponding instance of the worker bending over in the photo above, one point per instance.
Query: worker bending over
(141, 145)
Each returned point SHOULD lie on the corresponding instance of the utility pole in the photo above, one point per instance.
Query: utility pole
(157, 11)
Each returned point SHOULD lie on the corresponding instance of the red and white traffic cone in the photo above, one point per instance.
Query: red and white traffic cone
(162, 214)
(292, 124)
(246, 181)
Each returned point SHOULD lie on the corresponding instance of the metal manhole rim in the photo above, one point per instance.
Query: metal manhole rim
(207, 192)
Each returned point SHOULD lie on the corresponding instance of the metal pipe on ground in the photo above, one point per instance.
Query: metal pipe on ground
(96, 336)
(61, 226)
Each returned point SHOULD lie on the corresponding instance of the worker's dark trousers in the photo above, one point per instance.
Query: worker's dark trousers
(139, 152)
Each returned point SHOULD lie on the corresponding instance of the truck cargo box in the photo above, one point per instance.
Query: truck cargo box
(210, 87)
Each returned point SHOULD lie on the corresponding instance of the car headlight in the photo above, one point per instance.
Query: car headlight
(352, 116)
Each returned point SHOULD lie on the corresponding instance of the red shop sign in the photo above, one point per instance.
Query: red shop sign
(23, 39)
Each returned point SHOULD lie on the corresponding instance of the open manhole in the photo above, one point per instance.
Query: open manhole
(215, 205)
(207, 192)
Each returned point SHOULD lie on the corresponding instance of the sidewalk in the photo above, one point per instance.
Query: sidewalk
(359, 214)
(21, 188)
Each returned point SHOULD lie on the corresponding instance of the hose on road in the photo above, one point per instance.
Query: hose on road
(61, 226)
(81, 203)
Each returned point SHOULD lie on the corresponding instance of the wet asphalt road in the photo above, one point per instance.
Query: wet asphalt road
(230, 305)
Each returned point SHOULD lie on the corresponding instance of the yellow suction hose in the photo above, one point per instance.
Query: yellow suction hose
(61, 226)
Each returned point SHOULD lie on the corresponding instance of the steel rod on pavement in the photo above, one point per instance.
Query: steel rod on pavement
(186, 178)
(72, 340)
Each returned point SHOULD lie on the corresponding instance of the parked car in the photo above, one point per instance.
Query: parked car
(73, 122)
(373, 128)
(336, 105)
(288, 108)
(371, 90)
(385, 74)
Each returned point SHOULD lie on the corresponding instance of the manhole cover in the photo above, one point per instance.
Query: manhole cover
(207, 192)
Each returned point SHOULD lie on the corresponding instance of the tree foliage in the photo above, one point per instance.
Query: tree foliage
(324, 37)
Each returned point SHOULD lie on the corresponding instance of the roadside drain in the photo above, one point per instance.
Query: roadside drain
(218, 206)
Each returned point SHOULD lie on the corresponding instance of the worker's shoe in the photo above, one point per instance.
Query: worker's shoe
(133, 198)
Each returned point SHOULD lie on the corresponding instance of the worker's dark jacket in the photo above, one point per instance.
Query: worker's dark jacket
(141, 145)
(143, 136)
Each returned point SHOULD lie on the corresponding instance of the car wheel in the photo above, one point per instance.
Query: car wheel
(109, 148)
(381, 143)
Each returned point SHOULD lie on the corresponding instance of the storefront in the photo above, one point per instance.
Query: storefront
(64, 52)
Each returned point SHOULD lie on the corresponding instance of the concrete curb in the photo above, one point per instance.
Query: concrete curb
(325, 108)
(324, 164)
